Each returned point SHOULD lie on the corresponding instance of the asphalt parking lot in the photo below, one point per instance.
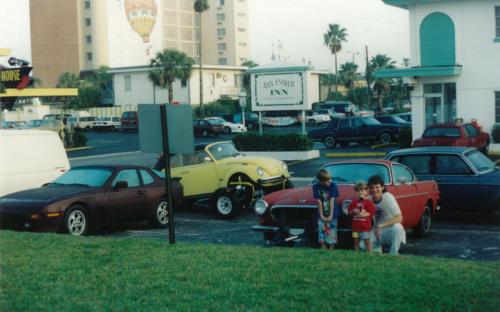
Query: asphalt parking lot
(461, 238)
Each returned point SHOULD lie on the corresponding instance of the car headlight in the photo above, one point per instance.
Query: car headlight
(260, 206)
(345, 206)
(285, 166)
(260, 171)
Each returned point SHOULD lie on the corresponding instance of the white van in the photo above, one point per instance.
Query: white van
(29, 159)
(85, 123)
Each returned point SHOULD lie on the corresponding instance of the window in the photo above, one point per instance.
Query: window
(497, 106)
(420, 164)
(471, 131)
(128, 175)
(146, 177)
(88, 39)
(221, 16)
(451, 165)
(242, 44)
(242, 14)
(89, 56)
(497, 19)
(402, 174)
(236, 80)
(242, 29)
(221, 32)
(222, 61)
(358, 123)
(91, 177)
(128, 83)
(344, 124)
(221, 2)
(87, 4)
(88, 21)
(221, 46)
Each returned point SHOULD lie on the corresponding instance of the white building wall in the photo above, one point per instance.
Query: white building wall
(476, 51)
(217, 83)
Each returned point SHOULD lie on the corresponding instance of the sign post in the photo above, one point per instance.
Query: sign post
(243, 104)
(176, 127)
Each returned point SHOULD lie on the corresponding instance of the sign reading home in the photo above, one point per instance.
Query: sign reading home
(273, 90)
(15, 77)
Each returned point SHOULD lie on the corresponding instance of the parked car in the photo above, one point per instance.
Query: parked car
(343, 131)
(405, 116)
(89, 196)
(317, 117)
(227, 178)
(468, 180)
(450, 134)
(338, 107)
(229, 127)
(204, 128)
(57, 116)
(251, 120)
(13, 124)
(291, 214)
(43, 124)
(82, 123)
(130, 121)
(107, 123)
(30, 158)
(394, 120)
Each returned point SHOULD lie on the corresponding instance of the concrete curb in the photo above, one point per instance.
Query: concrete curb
(361, 154)
(78, 148)
(382, 145)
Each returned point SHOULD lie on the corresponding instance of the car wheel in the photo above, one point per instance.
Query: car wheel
(385, 138)
(330, 141)
(225, 205)
(112, 128)
(227, 130)
(204, 133)
(160, 217)
(76, 221)
(249, 126)
(423, 227)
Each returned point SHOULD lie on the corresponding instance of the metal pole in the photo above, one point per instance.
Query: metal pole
(367, 82)
(154, 93)
(243, 116)
(168, 184)
(303, 122)
(260, 122)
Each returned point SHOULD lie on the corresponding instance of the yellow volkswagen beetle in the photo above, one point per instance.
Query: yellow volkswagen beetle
(226, 177)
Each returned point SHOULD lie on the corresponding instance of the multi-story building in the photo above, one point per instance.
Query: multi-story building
(76, 35)
(455, 61)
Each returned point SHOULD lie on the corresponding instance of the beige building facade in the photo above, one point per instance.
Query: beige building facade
(76, 35)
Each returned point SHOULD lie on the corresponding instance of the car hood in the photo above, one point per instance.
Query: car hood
(304, 196)
(39, 197)
(437, 141)
(270, 165)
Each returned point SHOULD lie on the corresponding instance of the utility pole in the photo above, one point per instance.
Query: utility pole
(367, 79)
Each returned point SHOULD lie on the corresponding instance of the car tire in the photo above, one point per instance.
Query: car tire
(112, 128)
(225, 204)
(204, 133)
(249, 126)
(160, 215)
(227, 130)
(423, 227)
(385, 138)
(330, 141)
(76, 221)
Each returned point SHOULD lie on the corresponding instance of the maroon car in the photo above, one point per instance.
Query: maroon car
(129, 121)
(205, 128)
(449, 134)
(89, 196)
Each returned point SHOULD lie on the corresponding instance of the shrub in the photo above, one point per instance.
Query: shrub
(227, 106)
(405, 137)
(79, 139)
(272, 142)
(495, 133)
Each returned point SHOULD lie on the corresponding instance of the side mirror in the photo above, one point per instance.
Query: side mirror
(402, 180)
(121, 185)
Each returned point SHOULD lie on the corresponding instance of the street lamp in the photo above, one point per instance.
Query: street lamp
(243, 104)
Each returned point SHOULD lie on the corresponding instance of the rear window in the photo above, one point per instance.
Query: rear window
(353, 173)
(441, 132)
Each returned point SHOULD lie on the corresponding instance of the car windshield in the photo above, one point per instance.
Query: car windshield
(441, 132)
(371, 121)
(353, 173)
(479, 161)
(215, 121)
(104, 118)
(159, 174)
(92, 177)
(223, 150)
(34, 123)
(398, 119)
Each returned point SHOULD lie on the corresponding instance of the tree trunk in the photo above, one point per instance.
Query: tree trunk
(201, 69)
(329, 89)
(336, 78)
(170, 93)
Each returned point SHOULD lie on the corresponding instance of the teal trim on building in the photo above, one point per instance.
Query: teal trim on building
(437, 40)
(419, 72)
(279, 69)
(496, 40)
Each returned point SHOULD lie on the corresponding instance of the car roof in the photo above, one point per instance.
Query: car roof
(361, 161)
(432, 149)
(113, 167)
(445, 125)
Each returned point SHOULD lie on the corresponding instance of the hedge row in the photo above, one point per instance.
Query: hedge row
(272, 142)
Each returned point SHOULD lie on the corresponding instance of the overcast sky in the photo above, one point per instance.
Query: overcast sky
(298, 24)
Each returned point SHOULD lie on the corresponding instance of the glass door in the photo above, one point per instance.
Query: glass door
(433, 109)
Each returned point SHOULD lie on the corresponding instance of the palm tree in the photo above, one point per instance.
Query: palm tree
(246, 77)
(333, 39)
(328, 79)
(68, 80)
(381, 85)
(348, 74)
(170, 65)
(199, 7)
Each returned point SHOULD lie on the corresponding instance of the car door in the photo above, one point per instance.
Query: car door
(125, 204)
(421, 165)
(407, 193)
(476, 140)
(344, 131)
(456, 182)
(363, 130)
(198, 174)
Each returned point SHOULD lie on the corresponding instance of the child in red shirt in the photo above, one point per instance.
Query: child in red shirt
(362, 211)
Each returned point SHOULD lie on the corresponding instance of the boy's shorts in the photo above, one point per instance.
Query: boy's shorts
(361, 235)
(322, 237)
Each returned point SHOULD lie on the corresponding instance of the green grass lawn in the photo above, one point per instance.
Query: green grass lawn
(51, 272)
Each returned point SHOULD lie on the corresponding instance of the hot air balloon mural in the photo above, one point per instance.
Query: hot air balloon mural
(141, 15)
